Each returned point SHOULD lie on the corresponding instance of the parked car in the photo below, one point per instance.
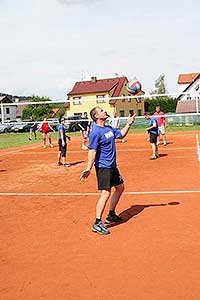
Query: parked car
(21, 127)
(5, 127)
(71, 123)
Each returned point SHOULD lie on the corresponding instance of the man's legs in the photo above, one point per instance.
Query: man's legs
(164, 139)
(105, 194)
(157, 155)
(116, 196)
(153, 146)
(30, 135)
(59, 158)
(98, 226)
(154, 151)
(112, 217)
(35, 134)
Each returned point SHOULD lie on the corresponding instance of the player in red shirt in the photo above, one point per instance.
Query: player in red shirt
(45, 128)
(161, 125)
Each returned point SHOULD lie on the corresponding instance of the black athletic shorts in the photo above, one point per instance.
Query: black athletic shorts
(61, 148)
(153, 138)
(108, 177)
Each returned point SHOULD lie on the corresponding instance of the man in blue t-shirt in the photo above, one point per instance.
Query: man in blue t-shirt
(62, 143)
(152, 130)
(102, 153)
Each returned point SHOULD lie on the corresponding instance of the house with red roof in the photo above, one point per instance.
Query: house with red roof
(87, 94)
(189, 93)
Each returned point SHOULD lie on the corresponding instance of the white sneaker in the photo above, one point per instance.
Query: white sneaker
(165, 143)
(158, 143)
(51, 145)
(84, 147)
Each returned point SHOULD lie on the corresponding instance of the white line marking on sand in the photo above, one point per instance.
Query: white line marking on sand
(26, 152)
(198, 147)
(95, 194)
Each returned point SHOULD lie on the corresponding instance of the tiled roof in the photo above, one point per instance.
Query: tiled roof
(186, 106)
(98, 86)
(5, 99)
(187, 78)
(54, 111)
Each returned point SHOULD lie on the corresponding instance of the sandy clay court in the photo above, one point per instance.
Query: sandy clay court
(48, 251)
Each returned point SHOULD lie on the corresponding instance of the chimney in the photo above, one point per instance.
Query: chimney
(93, 79)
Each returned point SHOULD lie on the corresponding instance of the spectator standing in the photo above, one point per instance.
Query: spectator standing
(152, 130)
(62, 143)
(33, 128)
(161, 125)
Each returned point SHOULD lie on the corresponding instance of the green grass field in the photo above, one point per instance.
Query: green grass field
(9, 140)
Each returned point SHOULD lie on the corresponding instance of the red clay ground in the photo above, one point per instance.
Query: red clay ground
(49, 252)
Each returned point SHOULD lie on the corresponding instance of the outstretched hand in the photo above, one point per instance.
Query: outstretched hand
(131, 120)
(85, 174)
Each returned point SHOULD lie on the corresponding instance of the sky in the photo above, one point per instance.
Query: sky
(48, 45)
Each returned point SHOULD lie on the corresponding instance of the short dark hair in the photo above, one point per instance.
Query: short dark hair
(60, 119)
(93, 113)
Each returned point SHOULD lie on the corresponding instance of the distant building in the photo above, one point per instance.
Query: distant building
(189, 84)
(87, 94)
(7, 112)
(19, 108)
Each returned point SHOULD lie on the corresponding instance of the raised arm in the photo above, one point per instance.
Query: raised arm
(125, 130)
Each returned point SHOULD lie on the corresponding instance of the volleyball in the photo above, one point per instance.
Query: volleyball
(134, 87)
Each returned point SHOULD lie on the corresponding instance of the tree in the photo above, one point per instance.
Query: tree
(160, 86)
(38, 111)
(166, 103)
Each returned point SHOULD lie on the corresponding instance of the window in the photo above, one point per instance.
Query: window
(139, 112)
(123, 100)
(76, 100)
(101, 98)
(121, 113)
(7, 110)
(131, 112)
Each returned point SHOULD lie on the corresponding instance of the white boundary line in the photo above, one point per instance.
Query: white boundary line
(95, 194)
(198, 147)
(23, 151)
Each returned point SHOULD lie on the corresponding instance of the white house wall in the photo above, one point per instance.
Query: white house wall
(191, 89)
